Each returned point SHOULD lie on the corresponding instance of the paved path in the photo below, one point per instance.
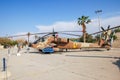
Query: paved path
(76, 65)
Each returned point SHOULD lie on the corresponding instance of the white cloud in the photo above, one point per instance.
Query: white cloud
(59, 26)
(113, 21)
(72, 25)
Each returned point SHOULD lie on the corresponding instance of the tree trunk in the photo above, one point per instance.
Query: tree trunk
(84, 35)
(84, 32)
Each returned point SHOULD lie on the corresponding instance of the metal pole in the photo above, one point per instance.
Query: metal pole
(28, 42)
(4, 64)
(97, 12)
(9, 51)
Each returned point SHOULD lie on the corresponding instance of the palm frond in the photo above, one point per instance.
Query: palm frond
(83, 19)
(88, 21)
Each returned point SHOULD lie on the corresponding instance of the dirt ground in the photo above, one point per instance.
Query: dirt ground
(84, 64)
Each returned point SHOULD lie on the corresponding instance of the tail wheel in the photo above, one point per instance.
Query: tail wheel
(108, 47)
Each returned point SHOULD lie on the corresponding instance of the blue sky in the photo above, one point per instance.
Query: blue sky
(22, 16)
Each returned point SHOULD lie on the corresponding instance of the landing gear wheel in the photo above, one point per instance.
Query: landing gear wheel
(108, 48)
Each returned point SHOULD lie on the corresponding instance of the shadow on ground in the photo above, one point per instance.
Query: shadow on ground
(43, 53)
(35, 52)
(92, 56)
(92, 49)
(117, 63)
(81, 50)
(69, 50)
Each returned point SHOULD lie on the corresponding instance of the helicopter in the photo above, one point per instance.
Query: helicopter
(55, 43)
(50, 41)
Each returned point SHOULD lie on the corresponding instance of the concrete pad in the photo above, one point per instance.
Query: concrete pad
(74, 65)
(4, 74)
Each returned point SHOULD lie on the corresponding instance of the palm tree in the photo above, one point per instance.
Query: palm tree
(83, 21)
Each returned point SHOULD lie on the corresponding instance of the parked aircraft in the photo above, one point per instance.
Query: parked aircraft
(56, 43)
(51, 42)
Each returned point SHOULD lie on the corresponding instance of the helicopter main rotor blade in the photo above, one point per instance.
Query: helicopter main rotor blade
(70, 34)
(16, 36)
(40, 38)
(105, 30)
(39, 33)
(26, 34)
(70, 31)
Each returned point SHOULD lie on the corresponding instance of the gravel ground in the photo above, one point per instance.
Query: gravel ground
(85, 64)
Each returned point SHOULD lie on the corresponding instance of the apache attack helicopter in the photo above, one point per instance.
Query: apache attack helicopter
(51, 42)
(55, 43)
